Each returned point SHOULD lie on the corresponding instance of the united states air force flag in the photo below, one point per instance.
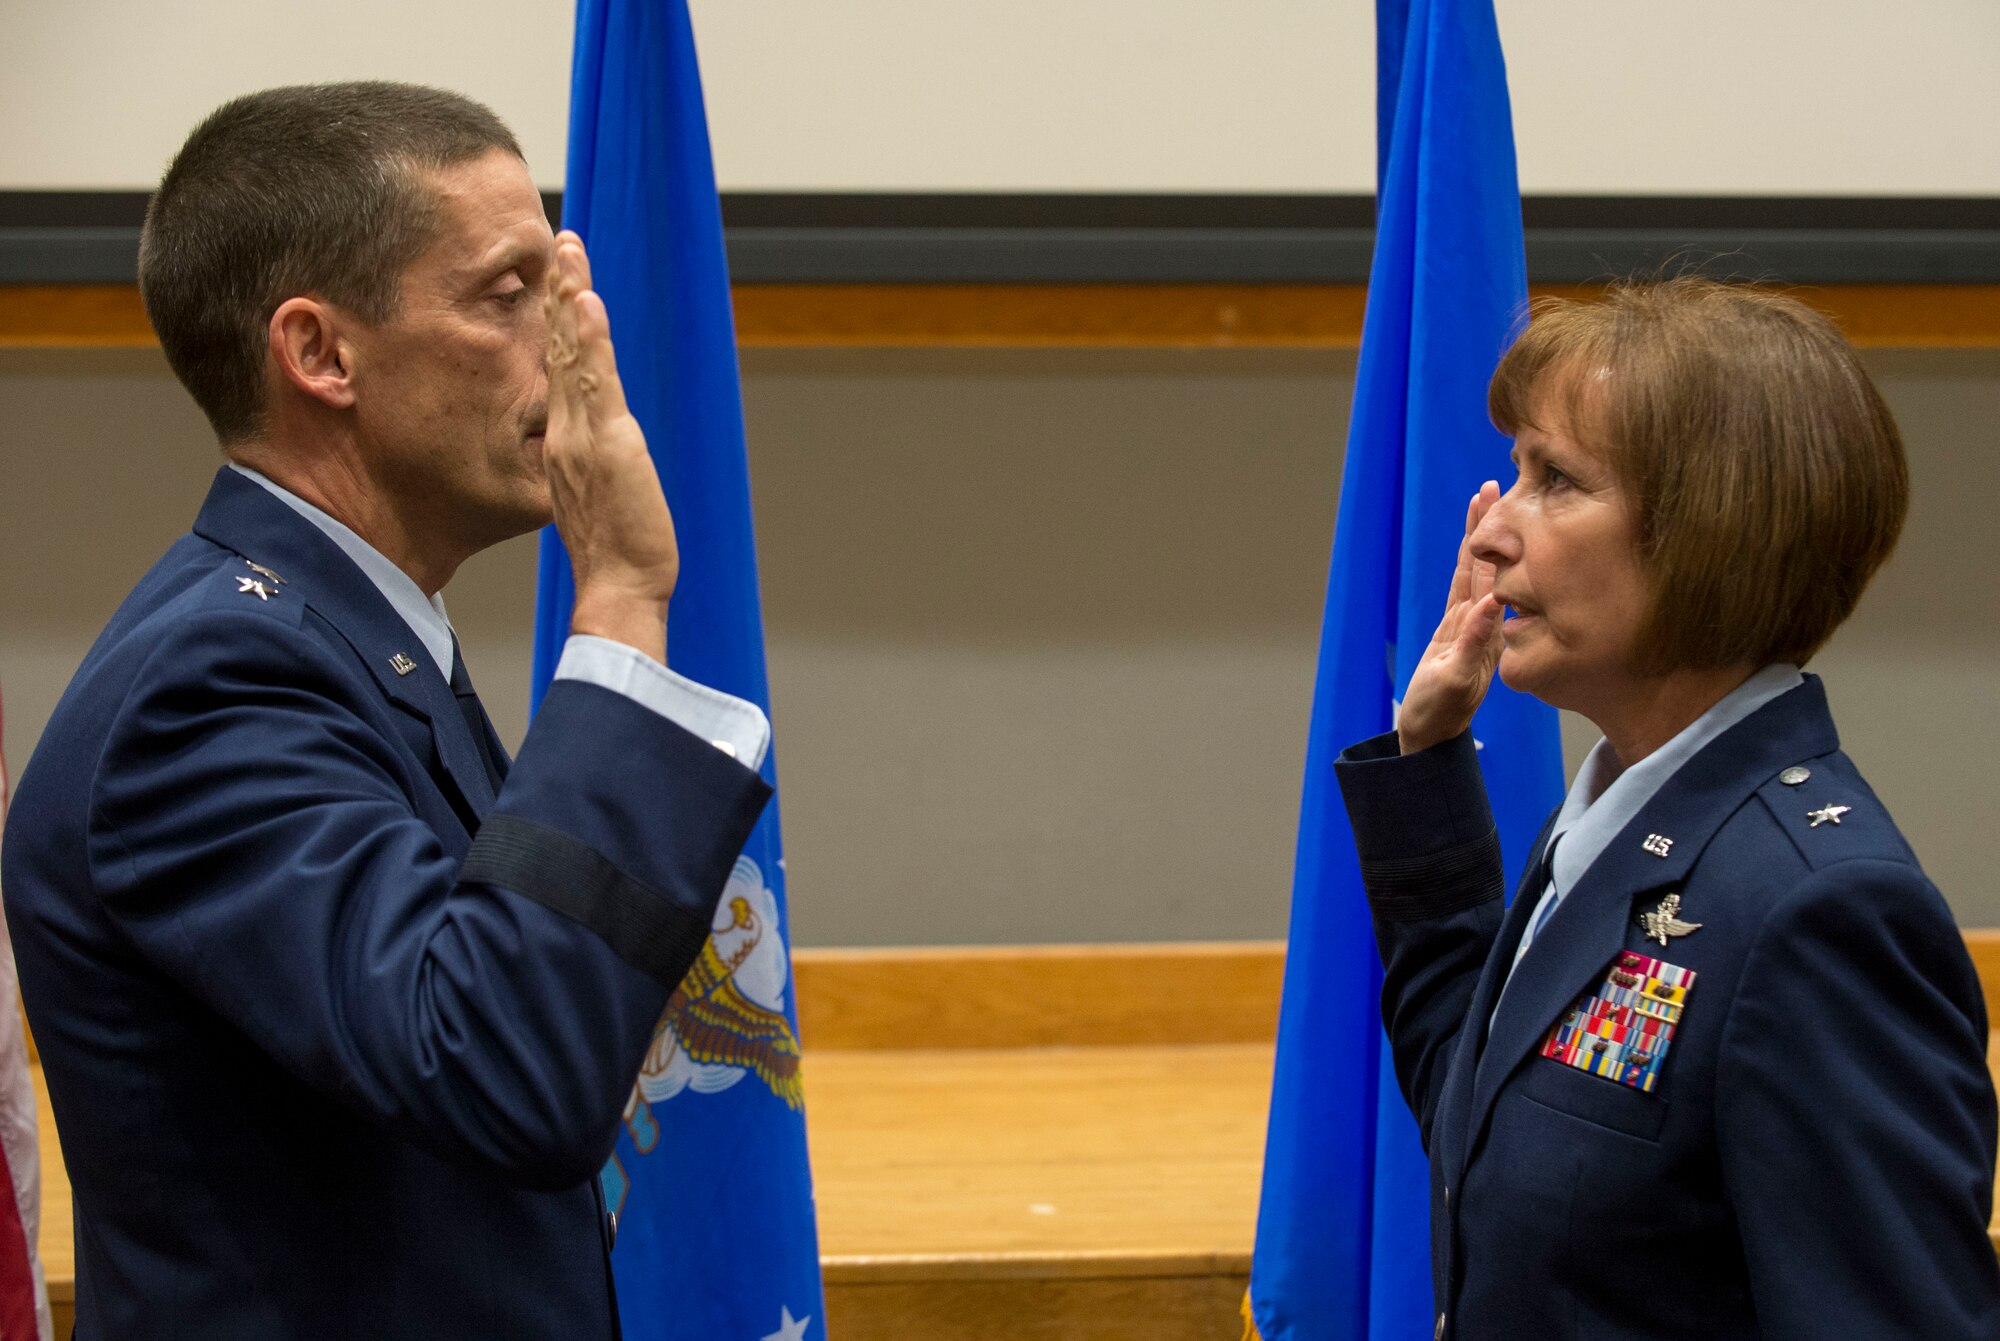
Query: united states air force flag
(716, 1240)
(1343, 1246)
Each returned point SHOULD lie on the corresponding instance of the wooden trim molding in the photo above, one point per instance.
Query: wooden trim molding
(73, 316)
(1105, 316)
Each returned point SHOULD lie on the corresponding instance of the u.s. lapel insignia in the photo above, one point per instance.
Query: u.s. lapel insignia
(265, 573)
(251, 586)
(1658, 844)
(401, 664)
(1826, 815)
(1665, 920)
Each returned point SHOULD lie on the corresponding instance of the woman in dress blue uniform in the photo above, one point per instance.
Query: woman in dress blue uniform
(1719, 1070)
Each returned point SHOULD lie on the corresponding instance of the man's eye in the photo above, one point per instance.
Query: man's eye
(511, 296)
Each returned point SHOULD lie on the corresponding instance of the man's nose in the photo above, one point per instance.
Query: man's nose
(536, 335)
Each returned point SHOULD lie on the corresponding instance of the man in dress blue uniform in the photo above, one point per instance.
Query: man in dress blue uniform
(339, 1008)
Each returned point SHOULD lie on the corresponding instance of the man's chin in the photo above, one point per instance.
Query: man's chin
(521, 515)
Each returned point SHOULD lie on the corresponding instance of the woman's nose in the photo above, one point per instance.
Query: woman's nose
(1494, 539)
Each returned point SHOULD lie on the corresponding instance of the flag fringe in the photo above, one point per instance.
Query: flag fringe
(1250, 1332)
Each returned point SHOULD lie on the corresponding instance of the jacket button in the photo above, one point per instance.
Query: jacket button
(1438, 1333)
(612, 1216)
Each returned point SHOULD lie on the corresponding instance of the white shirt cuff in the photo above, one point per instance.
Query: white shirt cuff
(733, 725)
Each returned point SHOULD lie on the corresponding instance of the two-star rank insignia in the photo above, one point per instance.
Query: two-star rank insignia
(1826, 815)
(263, 572)
(1665, 920)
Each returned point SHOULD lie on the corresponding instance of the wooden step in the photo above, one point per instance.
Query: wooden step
(1107, 1192)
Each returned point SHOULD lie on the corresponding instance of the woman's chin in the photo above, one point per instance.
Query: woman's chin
(1517, 672)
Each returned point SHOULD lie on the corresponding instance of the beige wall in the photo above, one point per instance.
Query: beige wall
(1041, 624)
(1699, 96)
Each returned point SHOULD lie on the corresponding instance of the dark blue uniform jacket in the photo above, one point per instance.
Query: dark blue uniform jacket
(1817, 1158)
(337, 1038)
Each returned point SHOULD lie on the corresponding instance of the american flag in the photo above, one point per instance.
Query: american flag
(24, 1297)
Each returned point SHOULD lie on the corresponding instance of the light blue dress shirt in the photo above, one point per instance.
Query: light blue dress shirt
(1604, 797)
(735, 726)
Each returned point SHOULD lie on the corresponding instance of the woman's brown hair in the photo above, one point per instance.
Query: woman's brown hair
(1765, 473)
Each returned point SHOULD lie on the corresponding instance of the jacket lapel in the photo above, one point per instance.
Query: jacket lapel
(1595, 919)
(242, 516)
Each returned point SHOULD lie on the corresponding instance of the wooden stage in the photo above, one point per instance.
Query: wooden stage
(1022, 1143)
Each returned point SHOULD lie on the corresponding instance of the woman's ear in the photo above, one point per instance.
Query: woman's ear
(311, 356)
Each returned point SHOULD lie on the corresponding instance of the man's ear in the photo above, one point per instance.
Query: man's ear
(312, 356)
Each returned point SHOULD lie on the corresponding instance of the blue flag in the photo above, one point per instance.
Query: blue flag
(710, 1178)
(1343, 1240)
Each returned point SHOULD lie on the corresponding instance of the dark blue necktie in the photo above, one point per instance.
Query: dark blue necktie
(490, 752)
(1545, 875)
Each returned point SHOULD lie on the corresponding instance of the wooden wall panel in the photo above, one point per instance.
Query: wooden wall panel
(1078, 995)
(1028, 996)
(1984, 944)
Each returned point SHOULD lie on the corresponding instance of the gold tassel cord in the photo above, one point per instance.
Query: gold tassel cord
(1250, 1332)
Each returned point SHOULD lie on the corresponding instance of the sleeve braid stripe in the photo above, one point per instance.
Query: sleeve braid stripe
(644, 926)
(1413, 889)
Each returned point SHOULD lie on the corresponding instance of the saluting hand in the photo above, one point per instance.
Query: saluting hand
(606, 494)
(1457, 668)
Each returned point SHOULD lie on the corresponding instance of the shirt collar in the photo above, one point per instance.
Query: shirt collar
(1603, 799)
(424, 614)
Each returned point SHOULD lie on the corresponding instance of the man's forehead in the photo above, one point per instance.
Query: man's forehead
(491, 211)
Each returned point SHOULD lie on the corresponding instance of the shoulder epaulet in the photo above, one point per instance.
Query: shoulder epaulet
(247, 584)
(1830, 814)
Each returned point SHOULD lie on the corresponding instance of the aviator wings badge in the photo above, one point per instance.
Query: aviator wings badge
(1665, 920)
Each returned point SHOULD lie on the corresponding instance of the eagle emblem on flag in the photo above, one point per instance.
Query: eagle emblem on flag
(727, 1018)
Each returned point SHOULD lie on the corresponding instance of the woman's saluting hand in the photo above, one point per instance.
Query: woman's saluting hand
(1457, 668)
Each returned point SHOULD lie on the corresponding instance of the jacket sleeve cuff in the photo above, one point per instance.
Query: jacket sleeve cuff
(1423, 828)
(733, 725)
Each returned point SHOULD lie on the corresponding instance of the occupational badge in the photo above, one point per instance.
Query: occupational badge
(1665, 921)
